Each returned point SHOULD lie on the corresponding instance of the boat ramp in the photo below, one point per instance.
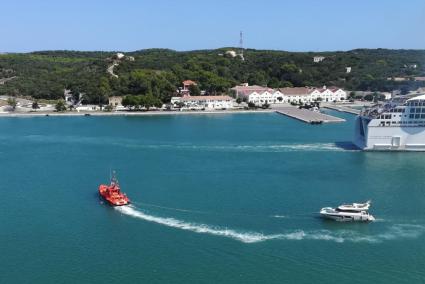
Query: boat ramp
(308, 116)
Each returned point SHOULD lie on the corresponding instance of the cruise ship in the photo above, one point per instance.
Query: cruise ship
(398, 125)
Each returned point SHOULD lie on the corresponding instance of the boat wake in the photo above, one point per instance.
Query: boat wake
(394, 232)
(131, 143)
(273, 148)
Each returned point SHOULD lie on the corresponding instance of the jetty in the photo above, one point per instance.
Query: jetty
(308, 116)
(343, 109)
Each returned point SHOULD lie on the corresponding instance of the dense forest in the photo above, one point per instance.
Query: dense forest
(159, 72)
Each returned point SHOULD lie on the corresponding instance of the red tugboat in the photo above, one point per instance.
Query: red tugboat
(112, 193)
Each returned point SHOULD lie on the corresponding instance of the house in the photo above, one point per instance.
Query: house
(115, 101)
(298, 94)
(187, 84)
(185, 91)
(231, 53)
(348, 69)
(264, 95)
(318, 59)
(68, 96)
(119, 55)
(244, 90)
(204, 102)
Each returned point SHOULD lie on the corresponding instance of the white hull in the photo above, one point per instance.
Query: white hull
(332, 214)
(372, 137)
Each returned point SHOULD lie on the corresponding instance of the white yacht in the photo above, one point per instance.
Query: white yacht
(355, 206)
(348, 212)
(398, 125)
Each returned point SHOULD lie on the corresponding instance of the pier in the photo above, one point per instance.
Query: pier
(308, 116)
(343, 109)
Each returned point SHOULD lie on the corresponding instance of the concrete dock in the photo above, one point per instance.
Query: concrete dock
(343, 109)
(307, 116)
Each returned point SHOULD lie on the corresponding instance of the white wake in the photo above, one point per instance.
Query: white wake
(395, 232)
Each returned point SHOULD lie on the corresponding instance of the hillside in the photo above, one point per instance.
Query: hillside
(160, 71)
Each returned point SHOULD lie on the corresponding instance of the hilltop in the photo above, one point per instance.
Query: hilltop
(45, 74)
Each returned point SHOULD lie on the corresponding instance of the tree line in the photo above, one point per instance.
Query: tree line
(158, 73)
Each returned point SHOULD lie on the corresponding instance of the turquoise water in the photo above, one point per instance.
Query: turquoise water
(216, 199)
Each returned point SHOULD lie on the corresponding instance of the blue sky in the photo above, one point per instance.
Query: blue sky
(300, 25)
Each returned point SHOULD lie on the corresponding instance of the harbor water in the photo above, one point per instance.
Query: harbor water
(229, 198)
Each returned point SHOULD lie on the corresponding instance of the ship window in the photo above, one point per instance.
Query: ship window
(393, 122)
(411, 116)
(417, 115)
(423, 115)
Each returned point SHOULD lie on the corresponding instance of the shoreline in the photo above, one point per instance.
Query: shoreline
(130, 113)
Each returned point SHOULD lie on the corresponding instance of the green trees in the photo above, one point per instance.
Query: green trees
(60, 106)
(159, 72)
(368, 97)
(141, 101)
(35, 105)
(194, 90)
(251, 105)
(12, 103)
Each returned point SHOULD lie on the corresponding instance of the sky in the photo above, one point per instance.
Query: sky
(128, 25)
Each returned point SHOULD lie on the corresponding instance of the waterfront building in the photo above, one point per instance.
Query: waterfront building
(115, 101)
(264, 95)
(204, 102)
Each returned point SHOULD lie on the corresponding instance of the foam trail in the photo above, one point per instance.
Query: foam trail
(279, 216)
(197, 228)
(313, 147)
(395, 232)
(131, 143)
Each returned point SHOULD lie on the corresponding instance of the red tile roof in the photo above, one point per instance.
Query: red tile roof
(188, 83)
(204, 98)
(297, 91)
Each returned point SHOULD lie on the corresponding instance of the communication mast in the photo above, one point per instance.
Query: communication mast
(241, 46)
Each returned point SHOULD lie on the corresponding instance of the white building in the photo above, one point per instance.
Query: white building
(348, 69)
(207, 102)
(231, 53)
(318, 59)
(119, 56)
(262, 95)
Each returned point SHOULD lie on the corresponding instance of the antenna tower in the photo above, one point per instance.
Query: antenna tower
(241, 45)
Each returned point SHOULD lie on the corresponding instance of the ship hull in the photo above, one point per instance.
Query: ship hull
(372, 137)
(116, 200)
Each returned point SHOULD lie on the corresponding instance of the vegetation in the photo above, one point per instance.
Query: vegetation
(141, 101)
(60, 106)
(157, 73)
(12, 103)
(35, 105)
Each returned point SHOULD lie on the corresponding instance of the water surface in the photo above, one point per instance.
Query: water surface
(216, 199)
